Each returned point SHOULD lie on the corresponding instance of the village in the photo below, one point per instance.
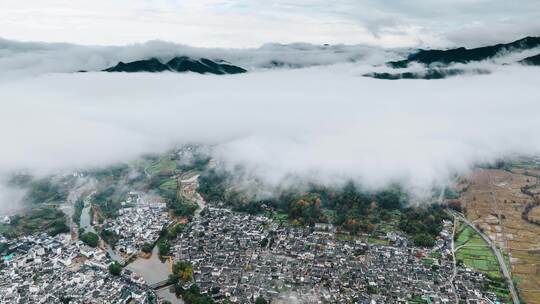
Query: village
(140, 221)
(45, 269)
(244, 257)
(238, 258)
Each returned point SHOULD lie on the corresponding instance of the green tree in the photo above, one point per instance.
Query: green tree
(147, 248)
(59, 226)
(173, 278)
(260, 300)
(89, 238)
(183, 270)
(164, 248)
(115, 268)
(424, 240)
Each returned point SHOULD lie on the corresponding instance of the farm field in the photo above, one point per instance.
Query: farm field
(474, 253)
(494, 201)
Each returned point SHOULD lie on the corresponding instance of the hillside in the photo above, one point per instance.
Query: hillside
(464, 55)
(177, 64)
(533, 60)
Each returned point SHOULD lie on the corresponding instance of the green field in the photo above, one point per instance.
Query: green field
(170, 184)
(427, 262)
(378, 241)
(477, 255)
(164, 164)
(281, 216)
(344, 237)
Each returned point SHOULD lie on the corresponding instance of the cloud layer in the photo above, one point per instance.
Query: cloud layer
(324, 124)
(18, 59)
(243, 23)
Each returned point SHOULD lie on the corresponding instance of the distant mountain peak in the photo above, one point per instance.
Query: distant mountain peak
(464, 55)
(533, 60)
(177, 64)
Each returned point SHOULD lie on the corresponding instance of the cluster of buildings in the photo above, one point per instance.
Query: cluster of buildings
(45, 269)
(140, 221)
(238, 257)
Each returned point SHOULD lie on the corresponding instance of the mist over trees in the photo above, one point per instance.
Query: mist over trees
(349, 207)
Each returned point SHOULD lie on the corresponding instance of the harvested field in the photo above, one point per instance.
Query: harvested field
(494, 201)
(534, 214)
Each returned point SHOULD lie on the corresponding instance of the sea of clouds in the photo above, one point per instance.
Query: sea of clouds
(324, 123)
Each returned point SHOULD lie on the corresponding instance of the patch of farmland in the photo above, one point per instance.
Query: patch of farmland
(494, 201)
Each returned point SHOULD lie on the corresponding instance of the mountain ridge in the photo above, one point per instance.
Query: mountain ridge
(177, 64)
(532, 60)
(464, 55)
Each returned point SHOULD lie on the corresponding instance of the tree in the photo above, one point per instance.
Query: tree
(391, 199)
(59, 226)
(424, 240)
(183, 270)
(260, 300)
(115, 268)
(164, 248)
(147, 248)
(173, 278)
(91, 239)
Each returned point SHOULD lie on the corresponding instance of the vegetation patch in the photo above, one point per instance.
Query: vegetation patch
(45, 191)
(89, 238)
(477, 255)
(350, 208)
(47, 219)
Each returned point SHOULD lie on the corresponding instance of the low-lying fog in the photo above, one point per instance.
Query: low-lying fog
(325, 124)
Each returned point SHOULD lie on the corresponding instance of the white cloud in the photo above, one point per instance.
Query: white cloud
(324, 123)
(31, 58)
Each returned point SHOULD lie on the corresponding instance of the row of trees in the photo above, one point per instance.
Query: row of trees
(354, 209)
(423, 223)
(167, 234)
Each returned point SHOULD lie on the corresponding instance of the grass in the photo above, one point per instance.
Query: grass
(164, 164)
(344, 237)
(476, 254)
(170, 184)
(470, 237)
(391, 224)
(378, 241)
(427, 262)
(435, 254)
(280, 216)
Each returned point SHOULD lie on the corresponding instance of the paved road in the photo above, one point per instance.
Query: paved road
(500, 258)
(454, 272)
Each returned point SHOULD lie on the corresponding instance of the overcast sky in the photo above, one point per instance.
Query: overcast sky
(250, 23)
